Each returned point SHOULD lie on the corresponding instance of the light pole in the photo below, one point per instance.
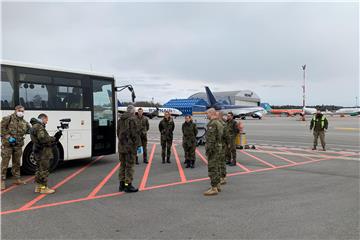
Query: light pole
(303, 87)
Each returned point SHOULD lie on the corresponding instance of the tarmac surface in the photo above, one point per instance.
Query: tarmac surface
(281, 190)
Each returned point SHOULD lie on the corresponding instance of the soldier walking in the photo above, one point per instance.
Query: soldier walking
(213, 147)
(232, 130)
(143, 128)
(166, 128)
(128, 142)
(13, 130)
(319, 124)
(43, 151)
(189, 131)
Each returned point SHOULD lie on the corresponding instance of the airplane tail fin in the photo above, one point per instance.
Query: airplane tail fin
(266, 106)
(210, 96)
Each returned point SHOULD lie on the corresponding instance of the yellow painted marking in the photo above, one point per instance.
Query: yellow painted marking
(348, 129)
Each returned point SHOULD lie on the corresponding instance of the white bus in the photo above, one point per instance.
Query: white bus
(86, 98)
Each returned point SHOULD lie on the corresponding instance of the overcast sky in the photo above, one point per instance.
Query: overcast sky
(172, 50)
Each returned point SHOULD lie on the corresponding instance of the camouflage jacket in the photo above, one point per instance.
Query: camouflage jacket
(166, 128)
(225, 136)
(231, 128)
(43, 142)
(16, 127)
(214, 135)
(127, 133)
(142, 125)
(189, 131)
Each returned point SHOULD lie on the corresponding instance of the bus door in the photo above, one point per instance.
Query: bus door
(103, 118)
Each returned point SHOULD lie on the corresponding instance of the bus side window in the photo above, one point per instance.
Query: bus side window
(7, 87)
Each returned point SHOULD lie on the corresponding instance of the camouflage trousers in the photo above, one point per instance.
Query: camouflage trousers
(230, 149)
(42, 168)
(318, 134)
(222, 161)
(143, 139)
(126, 171)
(8, 152)
(166, 147)
(189, 151)
(214, 168)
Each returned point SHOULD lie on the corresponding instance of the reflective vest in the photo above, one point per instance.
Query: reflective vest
(322, 121)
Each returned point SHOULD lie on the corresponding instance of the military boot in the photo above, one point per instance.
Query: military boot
(37, 188)
(137, 161)
(18, 181)
(228, 162)
(163, 160)
(121, 186)
(187, 163)
(218, 187)
(3, 185)
(324, 149)
(168, 160)
(145, 160)
(46, 190)
(314, 148)
(223, 181)
(211, 192)
(129, 188)
(232, 163)
(192, 163)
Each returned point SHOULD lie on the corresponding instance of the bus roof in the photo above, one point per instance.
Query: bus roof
(59, 69)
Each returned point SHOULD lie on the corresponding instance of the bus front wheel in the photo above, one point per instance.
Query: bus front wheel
(29, 163)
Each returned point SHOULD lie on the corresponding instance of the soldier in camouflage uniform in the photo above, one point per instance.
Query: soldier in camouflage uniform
(213, 146)
(189, 131)
(224, 140)
(13, 130)
(231, 131)
(166, 128)
(128, 142)
(143, 127)
(43, 145)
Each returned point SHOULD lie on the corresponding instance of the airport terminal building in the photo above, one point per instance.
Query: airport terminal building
(241, 97)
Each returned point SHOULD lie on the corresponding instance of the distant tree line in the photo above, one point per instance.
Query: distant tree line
(322, 107)
(142, 104)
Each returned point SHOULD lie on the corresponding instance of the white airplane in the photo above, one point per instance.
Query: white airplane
(312, 111)
(152, 112)
(348, 111)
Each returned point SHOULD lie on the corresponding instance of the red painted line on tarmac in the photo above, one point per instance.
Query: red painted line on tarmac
(287, 151)
(14, 186)
(147, 170)
(201, 156)
(279, 157)
(178, 163)
(104, 181)
(166, 185)
(68, 178)
(238, 164)
(259, 159)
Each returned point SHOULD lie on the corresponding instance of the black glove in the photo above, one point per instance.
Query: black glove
(58, 135)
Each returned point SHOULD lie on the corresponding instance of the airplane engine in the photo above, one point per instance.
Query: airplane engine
(257, 115)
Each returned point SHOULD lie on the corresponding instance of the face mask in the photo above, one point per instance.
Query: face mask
(20, 114)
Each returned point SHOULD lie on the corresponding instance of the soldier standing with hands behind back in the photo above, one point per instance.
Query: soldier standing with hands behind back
(166, 128)
(128, 142)
(13, 130)
(143, 128)
(213, 145)
(232, 131)
(189, 131)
